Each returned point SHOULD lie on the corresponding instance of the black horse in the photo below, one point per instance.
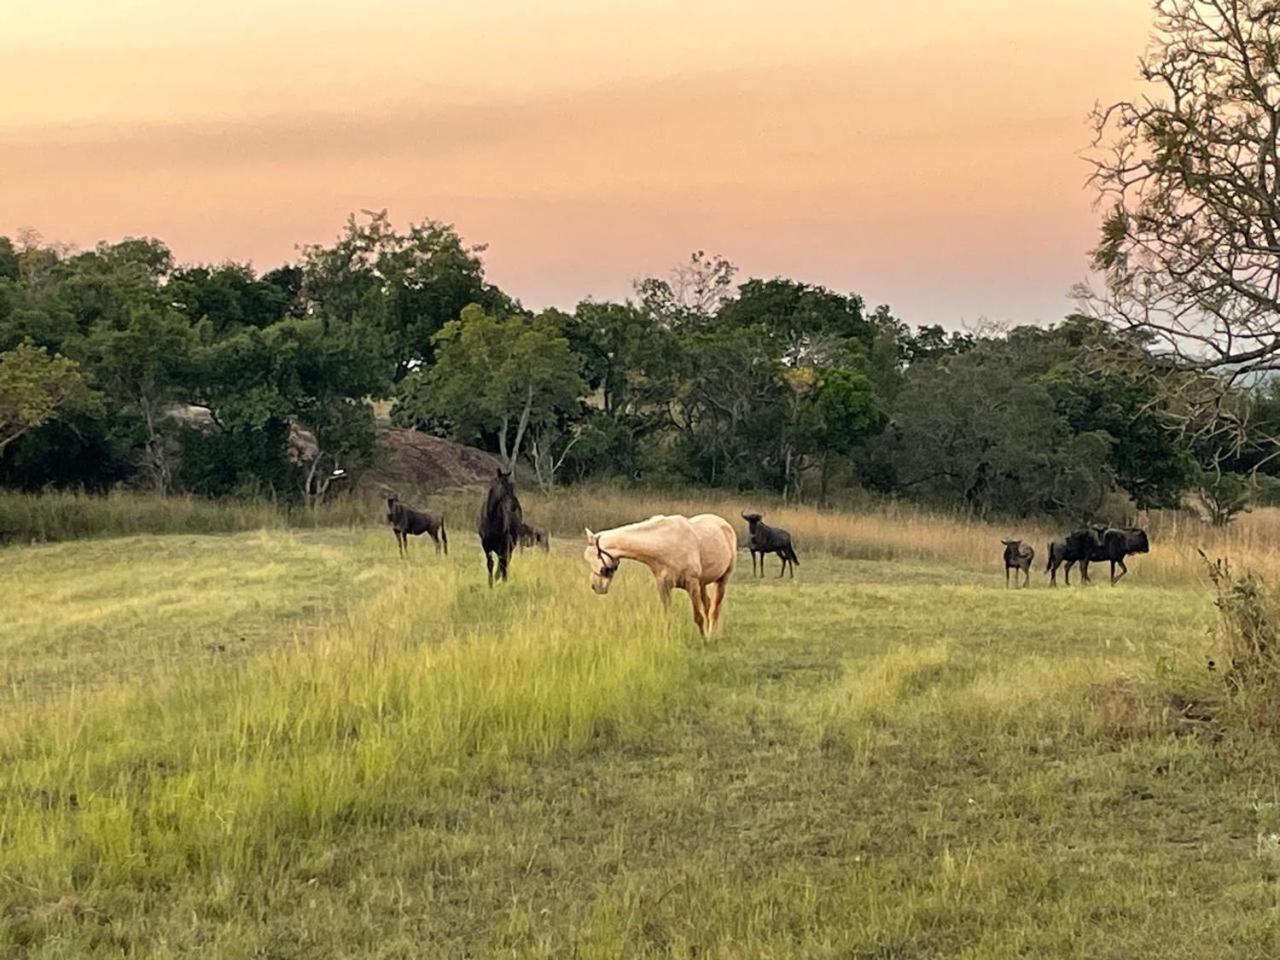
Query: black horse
(499, 524)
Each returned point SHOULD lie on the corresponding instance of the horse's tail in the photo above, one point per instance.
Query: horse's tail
(444, 536)
(791, 551)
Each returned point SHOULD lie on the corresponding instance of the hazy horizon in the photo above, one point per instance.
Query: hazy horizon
(921, 157)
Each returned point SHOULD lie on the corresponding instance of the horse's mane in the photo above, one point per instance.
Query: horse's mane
(493, 499)
(655, 520)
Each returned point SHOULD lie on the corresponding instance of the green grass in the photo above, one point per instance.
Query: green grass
(89, 613)
(876, 760)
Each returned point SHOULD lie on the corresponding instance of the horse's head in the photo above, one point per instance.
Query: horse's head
(753, 518)
(603, 564)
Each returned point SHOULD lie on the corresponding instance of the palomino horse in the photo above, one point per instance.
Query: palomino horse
(686, 552)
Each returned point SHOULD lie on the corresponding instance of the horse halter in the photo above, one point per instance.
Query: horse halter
(608, 562)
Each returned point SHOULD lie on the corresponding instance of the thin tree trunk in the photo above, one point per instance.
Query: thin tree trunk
(157, 462)
(520, 428)
(502, 443)
(5, 441)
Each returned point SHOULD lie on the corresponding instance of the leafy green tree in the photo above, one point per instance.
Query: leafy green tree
(106, 286)
(497, 378)
(973, 432)
(239, 460)
(228, 297)
(1148, 456)
(635, 362)
(37, 387)
(144, 365)
(848, 414)
(811, 325)
(740, 412)
(931, 343)
(296, 372)
(405, 286)
(9, 268)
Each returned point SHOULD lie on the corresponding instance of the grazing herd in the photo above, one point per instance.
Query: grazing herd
(698, 554)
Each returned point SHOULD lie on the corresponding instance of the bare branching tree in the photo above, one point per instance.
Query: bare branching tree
(1190, 179)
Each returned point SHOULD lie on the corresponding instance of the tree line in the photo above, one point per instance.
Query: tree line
(121, 366)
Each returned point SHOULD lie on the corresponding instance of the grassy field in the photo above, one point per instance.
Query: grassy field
(288, 744)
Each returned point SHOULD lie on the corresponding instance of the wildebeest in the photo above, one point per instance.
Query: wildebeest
(406, 522)
(1118, 543)
(1018, 556)
(1094, 544)
(763, 539)
(499, 523)
(1076, 547)
(531, 536)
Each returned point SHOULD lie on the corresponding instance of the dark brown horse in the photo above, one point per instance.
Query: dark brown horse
(499, 524)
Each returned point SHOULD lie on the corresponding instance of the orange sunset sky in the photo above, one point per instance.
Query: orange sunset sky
(923, 154)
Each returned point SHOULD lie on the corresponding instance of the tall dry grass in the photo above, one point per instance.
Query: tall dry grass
(874, 531)
(906, 532)
(67, 515)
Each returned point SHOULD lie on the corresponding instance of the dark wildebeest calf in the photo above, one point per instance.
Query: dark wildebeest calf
(763, 539)
(531, 536)
(407, 522)
(1017, 556)
(499, 524)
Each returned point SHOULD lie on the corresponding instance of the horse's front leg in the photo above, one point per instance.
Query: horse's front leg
(488, 562)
